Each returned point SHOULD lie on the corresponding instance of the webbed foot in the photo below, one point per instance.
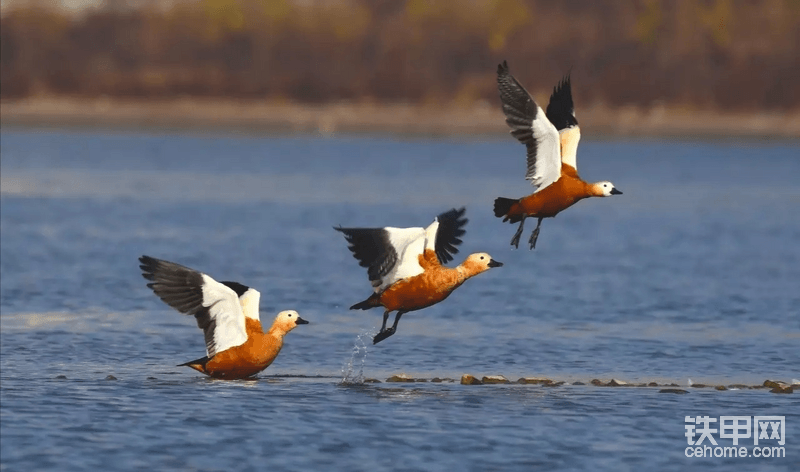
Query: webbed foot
(518, 234)
(383, 335)
(534, 237)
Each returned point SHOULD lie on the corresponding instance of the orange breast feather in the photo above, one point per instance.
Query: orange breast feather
(556, 197)
(423, 290)
(250, 358)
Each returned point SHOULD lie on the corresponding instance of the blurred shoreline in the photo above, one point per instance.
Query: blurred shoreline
(269, 117)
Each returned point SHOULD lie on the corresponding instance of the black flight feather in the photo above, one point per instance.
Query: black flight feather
(520, 111)
(181, 288)
(236, 287)
(372, 249)
(561, 110)
(451, 225)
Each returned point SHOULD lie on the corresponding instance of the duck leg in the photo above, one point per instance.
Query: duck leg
(535, 234)
(385, 318)
(384, 332)
(515, 239)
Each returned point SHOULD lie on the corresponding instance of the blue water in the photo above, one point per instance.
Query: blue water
(691, 274)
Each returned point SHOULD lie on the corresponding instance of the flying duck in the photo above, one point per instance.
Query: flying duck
(552, 142)
(405, 265)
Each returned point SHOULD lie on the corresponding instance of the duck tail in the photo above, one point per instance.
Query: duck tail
(371, 302)
(197, 364)
(502, 206)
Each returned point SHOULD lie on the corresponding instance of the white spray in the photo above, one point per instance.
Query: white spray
(359, 357)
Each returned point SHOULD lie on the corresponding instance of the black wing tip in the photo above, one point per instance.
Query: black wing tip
(154, 262)
(453, 214)
(146, 260)
(371, 248)
(561, 109)
(451, 224)
(563, 88)
(151, 266)
(161, 271)
(518, 105)
(564, 84)
(347, 232)
(148, 265)
(240, 289)
(502, 68)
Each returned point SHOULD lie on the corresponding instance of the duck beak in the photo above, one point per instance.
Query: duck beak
(300, 321)
(614, 191)
(494, 263)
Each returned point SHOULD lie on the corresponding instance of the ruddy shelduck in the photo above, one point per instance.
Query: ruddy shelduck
(405, 265)
(552, 142)
(227, 312)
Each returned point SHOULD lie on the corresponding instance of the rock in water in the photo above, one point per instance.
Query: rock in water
(467, 379)
(400, 378)
(494, 379)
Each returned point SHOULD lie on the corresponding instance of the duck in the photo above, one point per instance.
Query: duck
(406, 265)
(227, 312)
(551, 139)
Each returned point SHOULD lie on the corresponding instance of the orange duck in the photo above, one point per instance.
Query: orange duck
(405, 265)
(227, 312)
(552, 142)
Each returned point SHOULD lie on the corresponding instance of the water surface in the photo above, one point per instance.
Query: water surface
(691, 274)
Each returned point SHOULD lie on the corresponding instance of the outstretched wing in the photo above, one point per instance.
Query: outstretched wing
(215, 306)
(449, 232)
(389, 254)
(373, 249)
(561, 112)
(530, 126)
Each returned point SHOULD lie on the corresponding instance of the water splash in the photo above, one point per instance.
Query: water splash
(358, 358)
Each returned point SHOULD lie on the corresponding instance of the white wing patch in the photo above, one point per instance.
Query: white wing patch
(409, 243)
(430, 235)
(226, 313)
(569, 146)
(249, 301)
(546, 167)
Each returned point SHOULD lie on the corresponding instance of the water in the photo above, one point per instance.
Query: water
(691, 274)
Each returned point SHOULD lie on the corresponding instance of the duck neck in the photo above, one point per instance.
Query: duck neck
(465, 271)
(268, 345)
(594, 190)
(276, 333)
(253, 326)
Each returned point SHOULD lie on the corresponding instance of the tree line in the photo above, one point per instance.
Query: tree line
(726, 55)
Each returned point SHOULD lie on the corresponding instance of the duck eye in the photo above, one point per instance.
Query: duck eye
(481, 257)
